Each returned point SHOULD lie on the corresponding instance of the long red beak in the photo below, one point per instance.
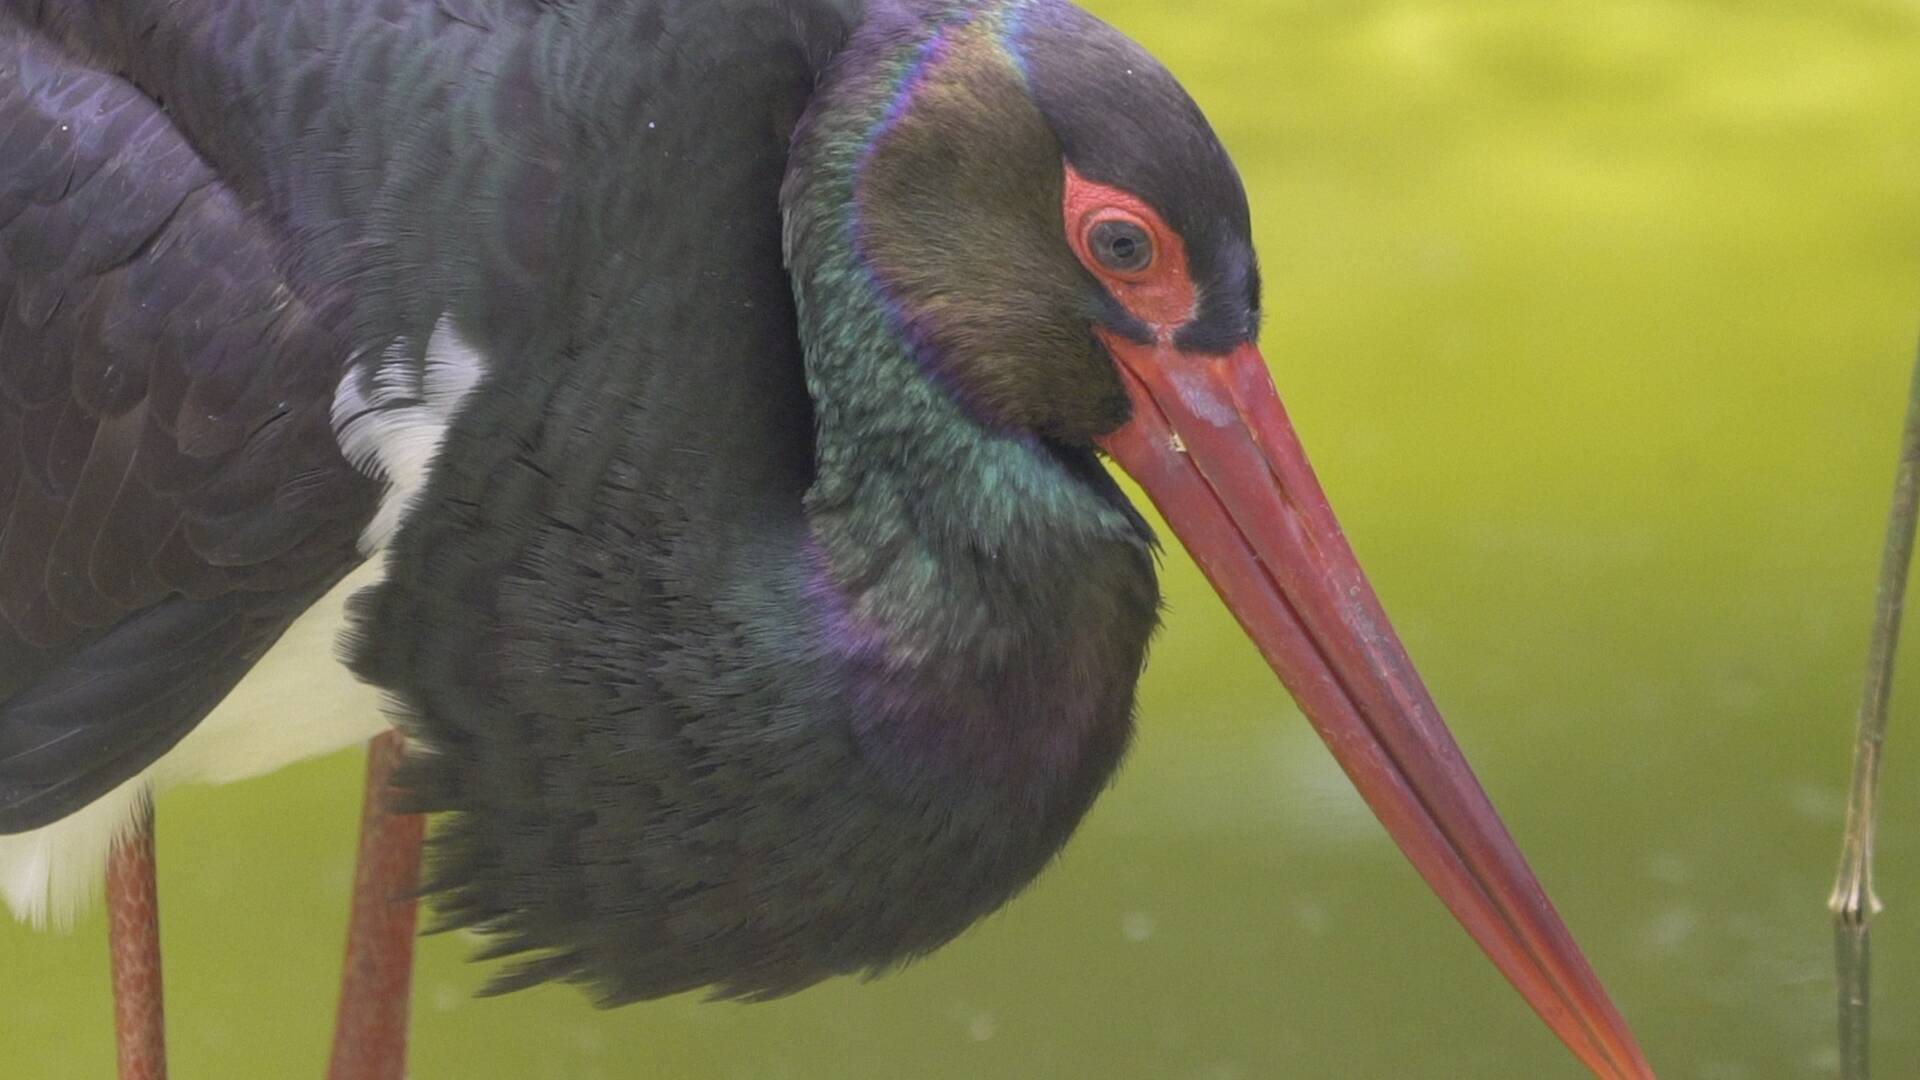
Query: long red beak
(1212, 446)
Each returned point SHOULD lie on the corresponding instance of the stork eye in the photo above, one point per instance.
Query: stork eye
(1120, 245)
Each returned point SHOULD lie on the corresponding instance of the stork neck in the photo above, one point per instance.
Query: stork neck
(920, 508)
(913, 494)
(922, 513)
(990, 595)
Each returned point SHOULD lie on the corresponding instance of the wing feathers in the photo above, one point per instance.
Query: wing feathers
(171, 495)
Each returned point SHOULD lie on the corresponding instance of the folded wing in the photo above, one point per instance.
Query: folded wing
(171, 493)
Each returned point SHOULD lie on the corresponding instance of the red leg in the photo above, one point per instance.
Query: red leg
(133, 941)
(370, 1032)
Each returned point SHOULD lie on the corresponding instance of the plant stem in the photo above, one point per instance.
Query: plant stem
(1853, 902)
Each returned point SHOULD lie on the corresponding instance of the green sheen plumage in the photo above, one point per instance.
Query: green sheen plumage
(915, 471)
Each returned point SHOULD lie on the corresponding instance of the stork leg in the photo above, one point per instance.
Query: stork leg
(133, 943)
(370, 1030)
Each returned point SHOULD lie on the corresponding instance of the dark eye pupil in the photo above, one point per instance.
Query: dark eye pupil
(1122, 246)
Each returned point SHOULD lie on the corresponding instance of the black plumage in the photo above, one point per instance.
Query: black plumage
(171, 496)
(611, 616)
(664, 766)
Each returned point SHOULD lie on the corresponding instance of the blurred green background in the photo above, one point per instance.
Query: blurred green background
(1597, 321)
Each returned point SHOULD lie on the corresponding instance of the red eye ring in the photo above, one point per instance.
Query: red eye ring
(1158, 291)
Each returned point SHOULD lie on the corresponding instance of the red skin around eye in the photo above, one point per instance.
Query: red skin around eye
(1162, 295)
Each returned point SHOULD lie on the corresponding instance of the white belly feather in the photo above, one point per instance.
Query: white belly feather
(297, 702)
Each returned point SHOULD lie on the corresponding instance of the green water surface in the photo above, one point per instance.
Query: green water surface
(1597, 320)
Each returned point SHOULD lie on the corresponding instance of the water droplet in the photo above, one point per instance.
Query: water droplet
(1670, 928)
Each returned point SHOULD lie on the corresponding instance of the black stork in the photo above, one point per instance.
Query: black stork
(709, 398)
